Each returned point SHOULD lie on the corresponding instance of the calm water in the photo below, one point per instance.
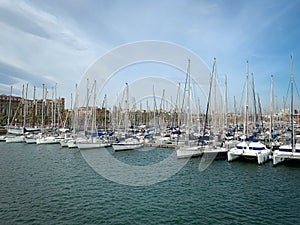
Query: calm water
(52, 185)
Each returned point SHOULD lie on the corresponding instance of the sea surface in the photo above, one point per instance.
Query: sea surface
(47, 184)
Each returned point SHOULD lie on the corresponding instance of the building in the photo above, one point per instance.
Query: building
(37, 112)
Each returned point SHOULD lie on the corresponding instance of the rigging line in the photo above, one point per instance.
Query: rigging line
(296, 89)
(208, 102)
(287, 93)
(241, 100)
(183, 99)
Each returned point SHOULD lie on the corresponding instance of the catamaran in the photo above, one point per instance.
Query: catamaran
(249, 149)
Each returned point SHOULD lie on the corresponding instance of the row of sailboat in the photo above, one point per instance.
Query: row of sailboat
(245, 148)
(207, 143)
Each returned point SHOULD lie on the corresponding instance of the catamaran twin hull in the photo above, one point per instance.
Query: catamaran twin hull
(249, 151)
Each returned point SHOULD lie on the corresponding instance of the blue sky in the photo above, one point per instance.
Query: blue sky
(55, 41)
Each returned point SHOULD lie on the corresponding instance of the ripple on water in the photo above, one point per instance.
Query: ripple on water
(48, 184)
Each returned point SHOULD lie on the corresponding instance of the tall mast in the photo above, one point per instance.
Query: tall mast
(209, 96)
(75, 111)
(292, 106)
(34, 107)
(25, 106)
(52, 109)
(189, 110)
(94, 128)
(246, 103)
(254, 103)
(189, 117)
(272, 105)
(55, 105)
(155, 108)
(9, 107)
(86, 106)
(235, 114)
(126, 108)
(43, 99)
(225, 113)
(105, 107)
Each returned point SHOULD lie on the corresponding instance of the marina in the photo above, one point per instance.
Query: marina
(149, 112)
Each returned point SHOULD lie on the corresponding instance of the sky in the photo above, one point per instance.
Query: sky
(54, 42)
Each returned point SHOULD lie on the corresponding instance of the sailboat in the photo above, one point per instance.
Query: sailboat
(291, 151)
(249, 149)
(188, 150)
(16, 134)
(218, 147)
(92, 140)
(129, 143)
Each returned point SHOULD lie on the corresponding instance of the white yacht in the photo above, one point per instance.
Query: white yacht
(188, 151)
(46, 140)
(92, 143)
(291, 151)
(15, 139)
(286, 152)
(31, 138)
(128, 144)
(250, 150)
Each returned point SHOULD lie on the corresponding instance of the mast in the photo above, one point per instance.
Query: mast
(86, 106)
(155, 108)
(254, 103)
(105, 107)
(235, 114)
(34, 107)
(178, 105)
(272, 105)
(55, 106)
(189, 110)
(9, 107)
(75, 111)
(246, 103)
(52, 109)
(260, 113)
(208, 100)
(225, 113)
(25, 106)
(126, 109)
(94, 128)
(43, 99)
(292, 106)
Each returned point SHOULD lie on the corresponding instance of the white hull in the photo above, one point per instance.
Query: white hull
(82, 146)
(187, 152)
(72, 144)
(234, 154)
(17, 131)
(64, 143)
(30, 140)
(16, 139)
(252, 150)
(2, 138)
(285, 152)
(126, 146)
(46, 140)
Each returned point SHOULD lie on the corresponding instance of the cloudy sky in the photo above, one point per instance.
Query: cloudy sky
(55, 41)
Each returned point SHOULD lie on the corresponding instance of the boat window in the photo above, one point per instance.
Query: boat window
(239, 147)
(258, 148)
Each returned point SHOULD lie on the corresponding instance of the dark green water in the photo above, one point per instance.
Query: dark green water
(50, 185)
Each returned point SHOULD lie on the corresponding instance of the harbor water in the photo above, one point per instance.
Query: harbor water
(47, 184)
